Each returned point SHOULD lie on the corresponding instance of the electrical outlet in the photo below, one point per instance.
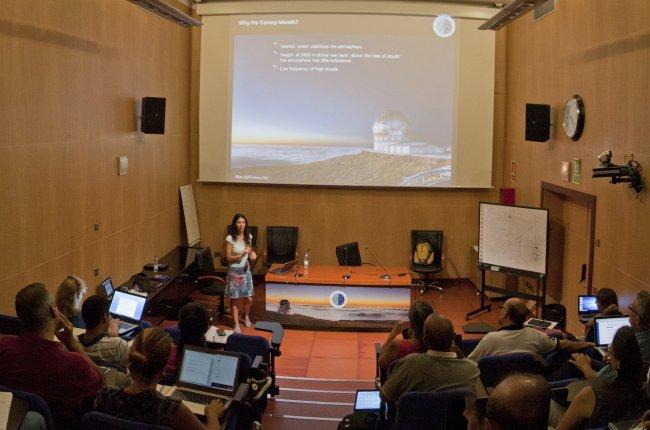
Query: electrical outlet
(577, 171)
(96, 227)
(96, 272)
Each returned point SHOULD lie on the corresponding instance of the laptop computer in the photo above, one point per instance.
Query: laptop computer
(606, 328)
(107, 286)
(367, 401)
(587, 307)
(539, 323)
(206, 374)
(129, 308)
(286, 268)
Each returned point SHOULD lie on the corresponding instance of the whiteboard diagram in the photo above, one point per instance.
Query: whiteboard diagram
(513, 237)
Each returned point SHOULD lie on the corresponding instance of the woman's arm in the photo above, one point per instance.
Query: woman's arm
(581, 408)
(185, 419)
(390, 348)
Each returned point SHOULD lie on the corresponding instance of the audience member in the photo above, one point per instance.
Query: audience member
(68, 299)
(60, 372)
(140, 401)
(101, 341)
(394, 347)
(436, 369)
(514, 337)
(193, 321)
(607, 302)
(520, 401)
(602, 402)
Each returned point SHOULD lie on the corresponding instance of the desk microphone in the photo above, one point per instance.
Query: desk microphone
(385, 275)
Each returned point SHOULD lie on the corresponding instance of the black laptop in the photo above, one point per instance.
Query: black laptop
(286, 268)
(107, 286)
(587, 307)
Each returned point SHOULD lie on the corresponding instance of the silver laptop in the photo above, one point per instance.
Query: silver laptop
(286, 268)
(606, 328)
(587, 307)
(206, 374)
(129, 308)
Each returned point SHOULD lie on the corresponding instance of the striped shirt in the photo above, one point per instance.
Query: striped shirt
(105, 350)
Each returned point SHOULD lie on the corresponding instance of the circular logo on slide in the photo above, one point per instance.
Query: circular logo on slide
(338, 299)
(444, 25)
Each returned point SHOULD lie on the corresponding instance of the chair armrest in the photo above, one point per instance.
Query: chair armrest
(242, 392)
(276, 329)
(211, 277)
(257, 362)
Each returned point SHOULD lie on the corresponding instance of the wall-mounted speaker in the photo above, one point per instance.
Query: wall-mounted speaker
(538, 122)
(153, 115)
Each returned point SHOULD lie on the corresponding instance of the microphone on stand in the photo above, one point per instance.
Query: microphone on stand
(386, 275)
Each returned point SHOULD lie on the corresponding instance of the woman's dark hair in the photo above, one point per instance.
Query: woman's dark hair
(606, 297)
(233, 228)
(418, 313)
(149, 353)
(193, 320)
(625, 348)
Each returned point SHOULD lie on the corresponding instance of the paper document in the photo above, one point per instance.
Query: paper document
(5, 405)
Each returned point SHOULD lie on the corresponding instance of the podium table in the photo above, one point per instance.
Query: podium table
(363, 298)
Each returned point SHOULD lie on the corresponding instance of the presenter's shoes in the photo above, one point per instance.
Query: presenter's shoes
(247, 322)
(258, 387)
(237, 329)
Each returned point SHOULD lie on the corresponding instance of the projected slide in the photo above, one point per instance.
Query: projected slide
(350, 100)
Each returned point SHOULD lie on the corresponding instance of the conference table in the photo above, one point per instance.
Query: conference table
(363, 297)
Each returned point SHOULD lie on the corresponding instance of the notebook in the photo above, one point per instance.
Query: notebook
(367, 401)
(587, 307)
(286, 268)
(538, 323)
(127, 307)
(606, 328)
(107, 285)
(206, 374)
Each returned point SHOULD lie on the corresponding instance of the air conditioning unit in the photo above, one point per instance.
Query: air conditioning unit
(162, 9)
(509, 13)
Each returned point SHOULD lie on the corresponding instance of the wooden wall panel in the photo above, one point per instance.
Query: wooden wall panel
(71, 71)
(599, 49)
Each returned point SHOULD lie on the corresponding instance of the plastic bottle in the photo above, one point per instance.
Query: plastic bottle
(305, 262)
(155, 263)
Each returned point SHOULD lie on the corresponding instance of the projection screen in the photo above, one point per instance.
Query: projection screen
(349, 98)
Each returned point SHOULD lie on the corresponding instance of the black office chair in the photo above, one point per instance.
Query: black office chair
(426, 257)
(207, 282)
(348, 254)
(252, 229)
(281, 244)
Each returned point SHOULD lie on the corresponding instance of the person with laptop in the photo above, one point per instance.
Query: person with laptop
(602, 402)
(140, 401)
(607, 303)
(239, 280)
(101, 340)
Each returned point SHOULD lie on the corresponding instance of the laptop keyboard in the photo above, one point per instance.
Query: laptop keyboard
(191, 396)
(124, 326)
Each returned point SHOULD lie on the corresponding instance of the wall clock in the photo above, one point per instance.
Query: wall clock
(574, 117)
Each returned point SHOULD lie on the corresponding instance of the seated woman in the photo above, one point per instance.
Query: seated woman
(69, 296)
(193, 321)
(140, 401)
(607, 302)
(394, 348)
(599, 403)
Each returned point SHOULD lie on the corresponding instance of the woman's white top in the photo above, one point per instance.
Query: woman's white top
(238, 247)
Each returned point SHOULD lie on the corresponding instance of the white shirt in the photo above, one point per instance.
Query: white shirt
(510, 341)
(238, 247)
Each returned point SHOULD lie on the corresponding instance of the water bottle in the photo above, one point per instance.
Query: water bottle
(155, 263)
(305, 262)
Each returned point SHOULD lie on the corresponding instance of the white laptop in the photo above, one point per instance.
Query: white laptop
(606, 328)
(128, 308)
(206, 374)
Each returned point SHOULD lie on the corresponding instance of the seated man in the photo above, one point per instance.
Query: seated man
(514, 337)
(60, 372)
(436, 369)
(607, 302)
(101, 341)
(520, 401)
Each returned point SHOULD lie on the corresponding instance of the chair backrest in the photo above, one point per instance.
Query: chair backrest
(252, 229)
(99, 421)
(495, 368)
(438, 410)
(252, 346)
(204, 261)
(348, 254)
(36, 404)
(174, 332)
(281, 243)
(426, 249)
(10, 325)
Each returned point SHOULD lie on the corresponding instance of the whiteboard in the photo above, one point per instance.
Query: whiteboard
(512, 237)
(189, 212)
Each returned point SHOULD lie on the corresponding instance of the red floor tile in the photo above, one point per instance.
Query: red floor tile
(333, 368)
(367, 368)
(335, 348)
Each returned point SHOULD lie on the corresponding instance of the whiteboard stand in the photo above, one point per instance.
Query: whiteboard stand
(512, 239)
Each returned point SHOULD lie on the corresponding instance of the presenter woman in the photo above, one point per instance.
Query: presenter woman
(239, 281)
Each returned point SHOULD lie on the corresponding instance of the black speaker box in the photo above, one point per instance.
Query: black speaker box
(538, 122)
(153, 115)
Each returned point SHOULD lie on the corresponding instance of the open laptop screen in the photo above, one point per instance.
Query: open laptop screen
(127, 306)
(209, 370)
(587, 304)
(107, 285)
(606, 328)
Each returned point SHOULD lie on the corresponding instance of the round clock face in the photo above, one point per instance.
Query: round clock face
(574, 117)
